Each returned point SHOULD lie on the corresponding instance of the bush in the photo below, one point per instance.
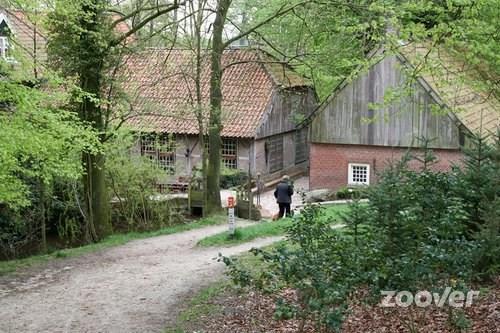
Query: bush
(230, 178)
(352, 193)
(131, 179)
(414, 233)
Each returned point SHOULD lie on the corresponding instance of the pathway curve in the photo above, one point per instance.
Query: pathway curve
(136, 287)
(268, 202)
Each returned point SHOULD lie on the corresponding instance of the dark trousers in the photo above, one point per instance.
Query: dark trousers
(284, 208)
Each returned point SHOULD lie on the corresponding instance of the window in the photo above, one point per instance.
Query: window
(148, 144)
(229, 153)
(167, 163)
(4, 47)
(166, 153)
(5, 34)
(359, 174)
(274, 153)
(160, 149)
(301, 145)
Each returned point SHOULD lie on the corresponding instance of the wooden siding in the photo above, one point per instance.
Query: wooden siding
(274, 147)
(301, 146)
(347, 117)
(286, 109)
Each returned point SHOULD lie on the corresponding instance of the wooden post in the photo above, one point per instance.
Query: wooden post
(230, 215)
(249, 194)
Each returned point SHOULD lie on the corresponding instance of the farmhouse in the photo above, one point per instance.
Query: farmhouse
(360, 128)
(263, 100)
(21, 40)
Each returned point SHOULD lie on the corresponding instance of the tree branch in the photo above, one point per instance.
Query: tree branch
(282, 11)
(148, 19)
(124, 17)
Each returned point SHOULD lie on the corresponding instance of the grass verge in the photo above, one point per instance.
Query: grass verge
(110, 241)
(208, 301)
(242, 235)
(263, 229)
(200, 306)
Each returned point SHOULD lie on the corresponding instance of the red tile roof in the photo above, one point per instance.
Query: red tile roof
(25, 32)
(162, 92)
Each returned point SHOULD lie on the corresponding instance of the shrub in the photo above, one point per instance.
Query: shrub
(230, 178)
(137, 206)
(414, 233)
(351, 193)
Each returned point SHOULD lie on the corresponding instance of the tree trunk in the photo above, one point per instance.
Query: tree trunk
(215, 125)
(98, 224)
(199, 102)
(43, 217)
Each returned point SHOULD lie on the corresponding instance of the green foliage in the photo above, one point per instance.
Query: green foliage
(478, 181)
(80, 34)
(230, 178)
(488, 193)
(266, 229)
(329, 42)
(312, 264)
(41, 153)
(245, 234)
(324, 42)
(413, 234)
(44, 142)
(131, 179)
(467, 28)
(458, 321)
(351, 193)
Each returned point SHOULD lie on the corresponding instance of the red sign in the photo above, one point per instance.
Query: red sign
(230, 202)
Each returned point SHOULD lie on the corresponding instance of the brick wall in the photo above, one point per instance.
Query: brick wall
(329, 162)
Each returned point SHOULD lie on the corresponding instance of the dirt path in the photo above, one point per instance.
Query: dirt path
(132, 288)
(268, 202)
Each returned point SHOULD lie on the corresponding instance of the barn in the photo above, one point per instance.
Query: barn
(384, 111)
(263, 101)
(21, 40)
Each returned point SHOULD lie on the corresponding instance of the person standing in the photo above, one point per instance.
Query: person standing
(283, 195)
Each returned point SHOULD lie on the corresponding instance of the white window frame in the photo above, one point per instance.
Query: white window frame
(350, 180)
(160, 149)
(229, 158)
(4, 46)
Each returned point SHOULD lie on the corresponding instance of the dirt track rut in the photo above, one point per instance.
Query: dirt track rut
(136, 287)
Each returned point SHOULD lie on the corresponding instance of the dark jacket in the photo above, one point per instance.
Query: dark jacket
(283, 192)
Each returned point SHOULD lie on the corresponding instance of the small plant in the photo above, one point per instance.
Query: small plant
(231, 178)
(236, 235)
(351, 193)
(284, 310)
(412, 234)
(459, 321)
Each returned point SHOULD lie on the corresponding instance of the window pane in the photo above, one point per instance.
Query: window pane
(167, 163)
(148, 144)
(160, 150)
(359, 174)
(229, 153)
(166, 143)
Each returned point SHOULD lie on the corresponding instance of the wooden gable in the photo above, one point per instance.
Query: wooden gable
(356, 113)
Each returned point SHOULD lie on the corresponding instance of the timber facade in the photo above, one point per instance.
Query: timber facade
(377, 117)
(263, 102)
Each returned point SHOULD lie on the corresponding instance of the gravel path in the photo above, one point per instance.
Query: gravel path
(137, 287)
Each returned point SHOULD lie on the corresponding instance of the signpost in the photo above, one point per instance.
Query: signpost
(230, 215)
